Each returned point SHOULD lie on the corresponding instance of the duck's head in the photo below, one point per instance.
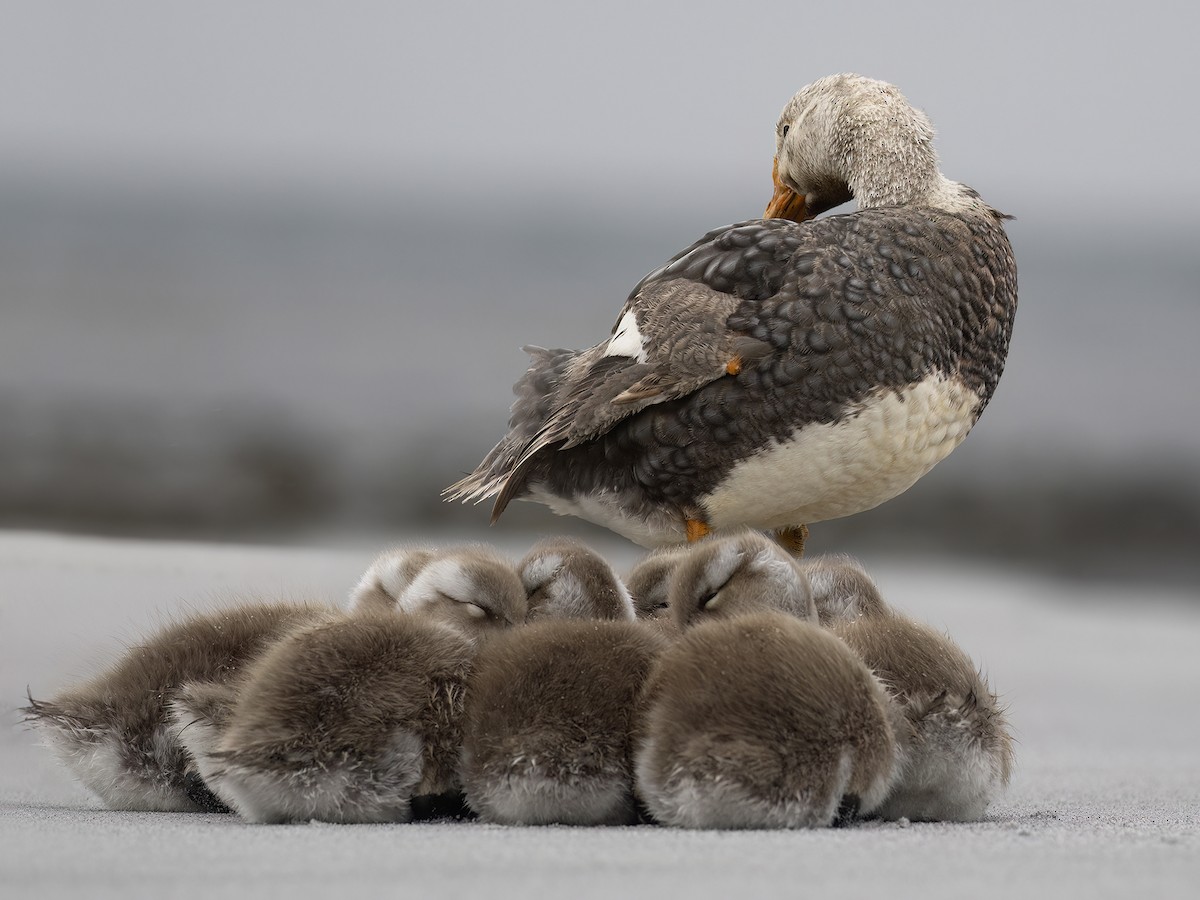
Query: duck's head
(472, 588)
(564, 579)
(849, 137)
(739, 575)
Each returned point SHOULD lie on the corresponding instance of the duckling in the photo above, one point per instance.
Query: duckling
(468, 586)
(351, 719)
(115, 732)
(954, 748)
(842, 589)
(565, 579)
(649, 583)
(551, 707)
(345, 721)
(756, 717)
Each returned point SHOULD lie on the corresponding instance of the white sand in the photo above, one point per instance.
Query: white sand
(1105, 802)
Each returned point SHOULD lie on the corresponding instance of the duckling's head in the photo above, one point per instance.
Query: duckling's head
(848, 136)
(842, 589)
(564, 579)
(649, 582)
(473, 588)
(738, 575)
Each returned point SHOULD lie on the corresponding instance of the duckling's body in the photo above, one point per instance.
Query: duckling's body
(762, 721)
(551, 708)
(756, 717)
(346, 721)
(349, 720)
(116, 732)
(550, 717)
(953, 744)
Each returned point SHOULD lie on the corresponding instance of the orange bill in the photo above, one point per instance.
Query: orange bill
(785, 203)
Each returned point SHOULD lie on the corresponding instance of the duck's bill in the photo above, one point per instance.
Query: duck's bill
(785, 203)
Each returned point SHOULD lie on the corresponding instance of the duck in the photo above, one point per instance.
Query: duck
(117, 732)
(551, 706)
(358, 718)
(954, 745)
(755, 716)
(471, 586)
(785, 370)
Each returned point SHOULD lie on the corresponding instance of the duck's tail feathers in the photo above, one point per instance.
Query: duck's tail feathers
(537, 400)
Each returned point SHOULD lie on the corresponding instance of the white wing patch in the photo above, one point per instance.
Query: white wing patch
(628, 340)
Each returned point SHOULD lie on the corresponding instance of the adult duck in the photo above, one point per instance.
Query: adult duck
(781, 371)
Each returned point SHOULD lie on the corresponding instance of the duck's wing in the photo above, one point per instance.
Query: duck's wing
(670, 339)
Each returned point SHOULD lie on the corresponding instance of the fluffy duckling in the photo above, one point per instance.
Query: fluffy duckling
(345, 721)
(115, 732)
(649, 583)
(756, 717)
(352, 718)
(565, 579)
(551, 708)
(954, 748)
(473, 587)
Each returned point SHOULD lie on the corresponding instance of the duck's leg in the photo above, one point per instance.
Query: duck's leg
(696, 529)
(792, 539)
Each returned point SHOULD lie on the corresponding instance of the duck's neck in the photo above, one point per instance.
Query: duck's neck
(887, 158)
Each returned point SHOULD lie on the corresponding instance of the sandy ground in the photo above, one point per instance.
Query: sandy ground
(1101, 684)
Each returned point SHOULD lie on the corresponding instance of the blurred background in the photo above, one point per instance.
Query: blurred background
(265, 268)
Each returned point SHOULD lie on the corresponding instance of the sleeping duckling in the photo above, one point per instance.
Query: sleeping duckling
(350, 719)
(756, 717)
(345, 721)
(649, 584)
(468, 586)
(565, 579)
(551, 707)
(115, 732)
(953, 744)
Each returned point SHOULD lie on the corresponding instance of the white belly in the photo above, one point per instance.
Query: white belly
(827, 471)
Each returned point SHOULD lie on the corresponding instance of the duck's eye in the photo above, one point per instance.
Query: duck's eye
(785, 130)
(711, 600)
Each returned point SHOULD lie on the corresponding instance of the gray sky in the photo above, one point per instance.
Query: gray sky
(1086, 104)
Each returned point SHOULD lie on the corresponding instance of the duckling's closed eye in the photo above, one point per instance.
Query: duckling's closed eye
(474, 610)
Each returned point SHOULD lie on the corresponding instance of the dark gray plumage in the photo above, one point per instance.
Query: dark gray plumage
(752, 339)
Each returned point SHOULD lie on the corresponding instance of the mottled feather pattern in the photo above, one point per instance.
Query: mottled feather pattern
(849, 305)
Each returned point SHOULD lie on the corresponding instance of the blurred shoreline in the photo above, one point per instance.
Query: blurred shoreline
(230, 367)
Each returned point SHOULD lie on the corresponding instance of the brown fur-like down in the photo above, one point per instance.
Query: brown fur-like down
(842, 589)
(565, 579)
(762, 721)
(346, 721)
(954, 746)
(472, 587)
(115, 731)
(649, 584)
(549, 721)
(723, 578)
